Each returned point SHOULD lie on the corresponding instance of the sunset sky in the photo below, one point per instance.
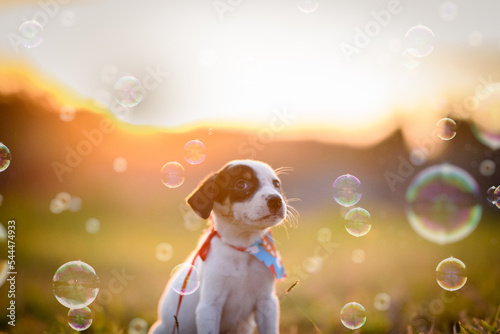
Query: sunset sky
(339, 69)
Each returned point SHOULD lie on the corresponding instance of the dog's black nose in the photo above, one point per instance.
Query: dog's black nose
(274, 203)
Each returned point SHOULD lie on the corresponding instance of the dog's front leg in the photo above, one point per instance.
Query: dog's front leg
(267, 315)
(208, 317)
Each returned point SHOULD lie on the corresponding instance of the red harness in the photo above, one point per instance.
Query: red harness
(202, 253)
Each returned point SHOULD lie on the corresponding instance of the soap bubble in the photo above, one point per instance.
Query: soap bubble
(120, 165)
(164, 251)
(186, 279)
(5, 157)
(137, 326)
(32, 33)
(346, 190)
(493, 195)
(194, 152)
(420, 40)
(451, 274)
(80, 319)
(76, 284)
(172, 174)
(409, 60)
(210, 131)
(446, 128)
(307, 6)
(92, 225)
(358, 256)
(487, 167)
(448, 11)
(353, 315)
(64, 199)
(382, 301)
(128, 91)
(475, 38)
(358, 222)
(486, 120)
(67, 113)
(443, 204)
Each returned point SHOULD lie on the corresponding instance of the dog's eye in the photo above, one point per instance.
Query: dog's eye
(276, 183)
(241, 185)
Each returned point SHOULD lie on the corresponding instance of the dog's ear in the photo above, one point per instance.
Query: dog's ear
(201, 200)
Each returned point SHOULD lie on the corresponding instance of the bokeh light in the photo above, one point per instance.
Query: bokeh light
(186, 280)
(382, 301)
(353, 315)
(358, 256)
(67, 113)
(5, 157)
(443, 204)
(446, 128)
(137, 326)
(92, 225)
(80, 319)
(194, 152)
(486, 119)
(164, 251)
(420, 41)
(448, 11)
(357, 222)
(76, 284)
(128, 91)
(32, 34)
(346, 190)
(487, 167)
(172, 174)
(451, 274)
(120, 165)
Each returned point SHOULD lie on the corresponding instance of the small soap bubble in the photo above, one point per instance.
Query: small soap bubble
(194, 152)
(353, 315)
(451, 274)
(210, 131)
(32, 33)
(475, 38)
(357, 222)
(120, 165)
(164, 251)
(448, 11)
(56, 206)
(358, 256)
(128, 91)
(418, 157)
(382, 301)
(307, 6)
(80, 319)
(487, 167)
(92, 225)
(172, 174)
(409, 60)
(137, 326)
(5, 157)
(67, 113)
(312, 264)
(186, 279)
(346, 190)
(446, 128)
(420, 41)
(68, 18)
(76, 284)
(64, 199)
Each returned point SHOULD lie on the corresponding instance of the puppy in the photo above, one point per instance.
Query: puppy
(236, 261)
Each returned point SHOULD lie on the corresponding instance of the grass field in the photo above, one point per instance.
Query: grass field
(390, 259)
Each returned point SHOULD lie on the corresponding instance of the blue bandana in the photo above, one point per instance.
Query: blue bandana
(266, 253)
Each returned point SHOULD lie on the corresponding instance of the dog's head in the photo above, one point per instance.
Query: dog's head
(244, 191)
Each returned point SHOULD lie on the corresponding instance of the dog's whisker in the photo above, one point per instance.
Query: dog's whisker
(283, 170)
